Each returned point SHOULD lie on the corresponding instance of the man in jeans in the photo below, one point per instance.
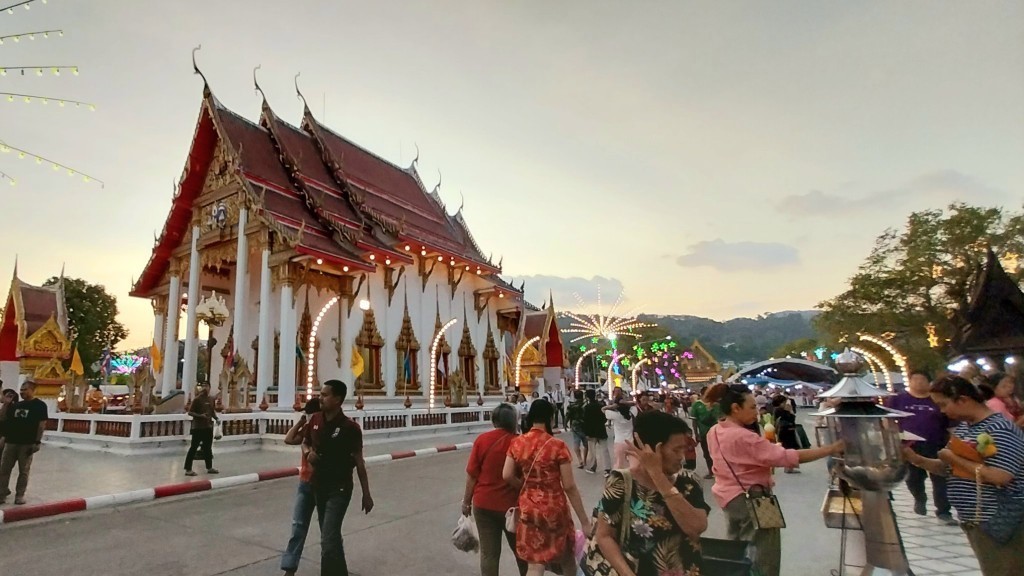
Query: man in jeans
(304, 499)
(929, 423)
(594, 426)
(24, 434)
(335, 444)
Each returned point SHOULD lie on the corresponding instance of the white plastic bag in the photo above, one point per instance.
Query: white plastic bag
(218, 432)
(465, 537)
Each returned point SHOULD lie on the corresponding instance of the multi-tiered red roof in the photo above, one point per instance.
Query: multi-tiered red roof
(343, 203)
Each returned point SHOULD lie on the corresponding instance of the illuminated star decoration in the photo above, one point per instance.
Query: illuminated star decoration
(24, 72)
(600, 325)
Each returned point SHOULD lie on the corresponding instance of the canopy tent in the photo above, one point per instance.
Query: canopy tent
(763, 381)
(788, 370)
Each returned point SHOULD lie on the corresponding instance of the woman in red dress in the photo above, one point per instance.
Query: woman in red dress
(539, 465)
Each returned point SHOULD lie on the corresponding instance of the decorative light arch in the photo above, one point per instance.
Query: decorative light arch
(519, 356)
(897, 356)
(433, 359)
(579, 365)
(311, 358)
(611, 365)
(636, 367)
(877, 365)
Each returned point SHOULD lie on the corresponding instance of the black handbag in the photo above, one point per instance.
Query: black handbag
(1002, 526)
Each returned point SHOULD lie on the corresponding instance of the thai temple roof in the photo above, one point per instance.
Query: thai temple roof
(994, 319)
(27, 310)
(341, 201)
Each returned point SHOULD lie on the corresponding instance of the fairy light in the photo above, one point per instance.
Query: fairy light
(311, 363)
(636, 367)
(519, 357)
(897, 356)
(39, 70)
(57, 166)
(877, 365)
(579, 365)
(433, 359)
(31, 35)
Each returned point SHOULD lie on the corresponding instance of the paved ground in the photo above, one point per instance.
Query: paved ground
(241, 531)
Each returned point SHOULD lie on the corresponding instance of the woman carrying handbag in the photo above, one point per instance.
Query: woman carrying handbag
(545, 533)
(743, 477)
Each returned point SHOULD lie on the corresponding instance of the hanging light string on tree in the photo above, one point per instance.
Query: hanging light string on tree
(31, 35)
(57, 166)
(28, 98)
(27, 4)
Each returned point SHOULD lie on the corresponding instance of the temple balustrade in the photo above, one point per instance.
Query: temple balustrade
(148, 434)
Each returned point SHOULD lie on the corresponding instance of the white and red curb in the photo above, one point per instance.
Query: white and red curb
(34, 511)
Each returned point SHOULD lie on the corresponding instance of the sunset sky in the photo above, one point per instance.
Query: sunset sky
(718, 159)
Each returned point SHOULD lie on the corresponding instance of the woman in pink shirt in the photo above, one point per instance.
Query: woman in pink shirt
(743, 460)
(998, 394)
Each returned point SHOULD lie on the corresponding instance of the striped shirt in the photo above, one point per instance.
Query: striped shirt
(1009, 441)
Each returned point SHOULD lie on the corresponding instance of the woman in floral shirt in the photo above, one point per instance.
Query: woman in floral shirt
(667, 511)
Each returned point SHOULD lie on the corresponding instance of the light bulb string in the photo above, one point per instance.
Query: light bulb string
(40, 69)
(31, 35)
(22, 154)
(26, 3)
(27, 98)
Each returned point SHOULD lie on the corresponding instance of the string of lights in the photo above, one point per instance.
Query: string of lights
(57, 166)
(876, 364)
(579, 364)
(22, 71)
(30, 35)
(897, 356)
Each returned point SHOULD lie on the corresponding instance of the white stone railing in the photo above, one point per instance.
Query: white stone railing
(138, 428)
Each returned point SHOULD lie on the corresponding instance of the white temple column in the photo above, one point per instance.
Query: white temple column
(188, 374)
(159, 315)
(241, 287)
(170, 352)
(265, 362)
(286, 363)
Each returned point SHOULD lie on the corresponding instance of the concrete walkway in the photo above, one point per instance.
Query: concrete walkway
(933, 548)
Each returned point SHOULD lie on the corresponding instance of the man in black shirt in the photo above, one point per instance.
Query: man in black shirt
(335, 444)
(24, 434)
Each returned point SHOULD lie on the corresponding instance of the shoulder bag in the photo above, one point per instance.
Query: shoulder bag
(1001, 526)
(512, 514)
(764, 508)
(594, 562)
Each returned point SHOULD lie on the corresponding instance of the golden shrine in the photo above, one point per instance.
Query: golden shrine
(34, 338)
(698, 366)
(545, 357)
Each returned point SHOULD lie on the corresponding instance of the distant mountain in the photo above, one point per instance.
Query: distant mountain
(739, 339)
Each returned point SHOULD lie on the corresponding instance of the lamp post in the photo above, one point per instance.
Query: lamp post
(872, 463)
(213, 311)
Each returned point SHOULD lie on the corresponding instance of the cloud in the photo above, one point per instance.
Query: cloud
(562, 289)
(935, 189)
(739, 256)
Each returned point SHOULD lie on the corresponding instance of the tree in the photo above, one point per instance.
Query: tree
(92, 319)
(923, 276)
(796, 348)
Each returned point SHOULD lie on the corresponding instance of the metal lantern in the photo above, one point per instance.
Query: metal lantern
(872, 463)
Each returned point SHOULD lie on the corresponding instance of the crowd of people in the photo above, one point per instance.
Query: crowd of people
(521, 485)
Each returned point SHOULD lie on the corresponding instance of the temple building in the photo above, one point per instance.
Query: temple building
(332, 262)
(544, 354)
(34, 339)
(699, 366)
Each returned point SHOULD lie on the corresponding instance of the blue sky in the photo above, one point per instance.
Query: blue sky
(717, 158)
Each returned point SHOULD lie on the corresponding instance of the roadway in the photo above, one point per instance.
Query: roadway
(242, 531)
